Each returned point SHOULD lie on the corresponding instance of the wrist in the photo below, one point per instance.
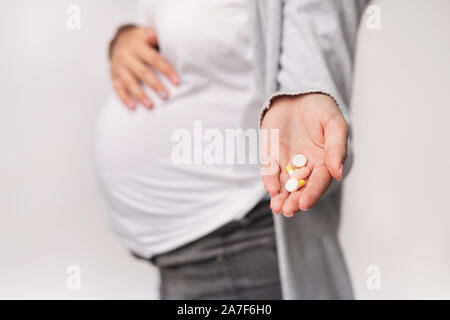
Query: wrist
(294, 102)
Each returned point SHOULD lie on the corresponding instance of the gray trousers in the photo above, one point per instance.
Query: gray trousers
(236, 261)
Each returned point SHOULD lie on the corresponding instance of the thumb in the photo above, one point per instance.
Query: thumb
(336, 134)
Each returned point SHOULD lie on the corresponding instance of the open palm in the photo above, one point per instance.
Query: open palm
(312, 125)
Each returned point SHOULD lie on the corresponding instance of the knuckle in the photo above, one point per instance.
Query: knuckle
(152, 56)
(129, 83)
(165, 68)
(134, 88)
(151, 80)
(120, 54)
(134, 42)
(141, 31)
(142, 71)
(141, 95)
(159, 86)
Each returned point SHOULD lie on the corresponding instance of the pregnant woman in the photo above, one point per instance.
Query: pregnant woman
(209, 227)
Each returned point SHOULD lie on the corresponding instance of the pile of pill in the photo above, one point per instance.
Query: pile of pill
(297, 173)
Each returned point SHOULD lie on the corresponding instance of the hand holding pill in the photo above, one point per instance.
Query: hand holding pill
(312, 135)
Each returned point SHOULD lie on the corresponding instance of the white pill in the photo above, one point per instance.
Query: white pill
(299, 160)
(292, 185)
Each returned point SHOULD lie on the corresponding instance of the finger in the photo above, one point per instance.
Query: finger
(148, 35)
(123, 94)
(144, 74)
(277, 201)
(317, 184)
(336, 133)
(290, 206)
(302, 173)
(271, 176)
(280, 198)
(154, 59)
(133, 86)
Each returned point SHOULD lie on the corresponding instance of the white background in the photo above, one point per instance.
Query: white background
(396, 209)
(53, 82)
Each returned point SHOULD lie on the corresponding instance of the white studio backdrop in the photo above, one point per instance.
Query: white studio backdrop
(54, 80)
(396, 208)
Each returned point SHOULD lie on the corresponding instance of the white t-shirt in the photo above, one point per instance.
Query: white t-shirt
(156, 204)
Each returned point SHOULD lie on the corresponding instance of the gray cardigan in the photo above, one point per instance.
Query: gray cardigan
(307, 46)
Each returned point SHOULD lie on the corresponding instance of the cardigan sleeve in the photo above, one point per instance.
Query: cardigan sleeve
(317, 49)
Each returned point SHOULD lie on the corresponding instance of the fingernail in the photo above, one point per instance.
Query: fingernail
(163, 94)
(131, 104)
(175, 79)
(300, 206)
(341, 171)
(147, 103)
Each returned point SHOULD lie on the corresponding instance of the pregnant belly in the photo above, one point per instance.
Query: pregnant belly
(127, 141)
(134, 157)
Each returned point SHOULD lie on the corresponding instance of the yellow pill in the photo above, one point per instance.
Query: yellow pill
(290, 170)
(301, 183)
